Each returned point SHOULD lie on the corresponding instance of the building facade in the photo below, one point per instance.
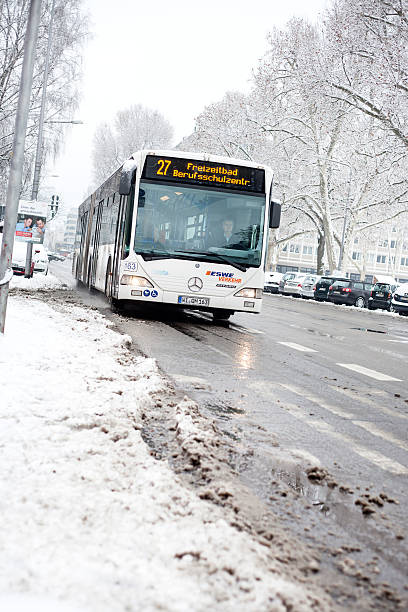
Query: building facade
(383, 254)
(66, 245)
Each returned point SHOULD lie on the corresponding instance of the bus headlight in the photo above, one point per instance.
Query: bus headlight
(136, 281)
(248, 292)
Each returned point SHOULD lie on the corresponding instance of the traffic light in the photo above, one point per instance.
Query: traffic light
(54, 205)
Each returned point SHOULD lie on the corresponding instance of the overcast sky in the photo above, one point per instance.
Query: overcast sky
(175, 57)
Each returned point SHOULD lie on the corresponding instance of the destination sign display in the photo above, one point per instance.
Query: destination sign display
(209, 174)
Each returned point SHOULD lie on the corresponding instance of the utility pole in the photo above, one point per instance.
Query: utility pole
(16, 167)
(40, 138)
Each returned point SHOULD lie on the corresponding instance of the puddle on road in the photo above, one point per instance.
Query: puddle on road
(321, 493)
(366, 329)
(324, 334)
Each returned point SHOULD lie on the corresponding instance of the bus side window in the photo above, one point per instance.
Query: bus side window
(114, 210)
(127, 225)
(104, 239)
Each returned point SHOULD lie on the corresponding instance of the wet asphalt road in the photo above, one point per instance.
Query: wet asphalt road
(303, 384)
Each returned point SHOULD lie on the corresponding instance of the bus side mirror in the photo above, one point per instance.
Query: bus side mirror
(274, 214)
(127, 177)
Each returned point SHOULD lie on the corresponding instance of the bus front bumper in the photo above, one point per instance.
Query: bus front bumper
(190, 300)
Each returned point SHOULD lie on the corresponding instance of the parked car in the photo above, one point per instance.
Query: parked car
(351, 292)
(381, 296)
(399, 301)
(322, 287)
(308, 285)
(287, 276)
(271, 282)
(294, 285)
(39, 258)
(52, 256)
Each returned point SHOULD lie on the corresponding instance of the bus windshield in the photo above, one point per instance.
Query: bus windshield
(181, 221)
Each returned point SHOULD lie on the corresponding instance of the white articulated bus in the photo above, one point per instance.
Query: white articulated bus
(179, 228)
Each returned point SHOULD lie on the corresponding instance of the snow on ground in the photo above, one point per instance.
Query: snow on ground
(90, 520)
(344, 307)
(38, 281)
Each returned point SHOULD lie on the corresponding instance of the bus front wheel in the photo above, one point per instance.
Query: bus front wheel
(222, 315)
(108, 281)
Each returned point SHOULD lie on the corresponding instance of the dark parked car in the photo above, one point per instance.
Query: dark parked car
(400, 300)
(287, 276)
(351, 292)
(381, 296)
(322, 287)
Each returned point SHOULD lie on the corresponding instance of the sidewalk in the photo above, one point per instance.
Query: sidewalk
(91, 522)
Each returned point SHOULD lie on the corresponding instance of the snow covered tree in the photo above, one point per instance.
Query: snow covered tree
(339, 165)
(224, 128)
(69, 33)
(133, 129)
(368, 40)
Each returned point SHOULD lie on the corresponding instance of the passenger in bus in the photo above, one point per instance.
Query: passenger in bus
(150, 236)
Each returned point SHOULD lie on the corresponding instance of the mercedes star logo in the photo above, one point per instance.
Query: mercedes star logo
(195, 284)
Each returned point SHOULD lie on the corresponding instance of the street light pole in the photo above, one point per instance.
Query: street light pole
(17, 160)
(38, 155)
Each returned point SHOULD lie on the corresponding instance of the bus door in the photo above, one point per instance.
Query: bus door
(84, 226)
(85, 257)
(95, 242)
(122, 238)
(119, 238)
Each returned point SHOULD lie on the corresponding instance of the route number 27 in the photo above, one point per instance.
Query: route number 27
(163, 166)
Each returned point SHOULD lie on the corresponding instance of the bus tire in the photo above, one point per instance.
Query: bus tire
(116, 305)
(108, 281)
(88, 278)
(222, 315)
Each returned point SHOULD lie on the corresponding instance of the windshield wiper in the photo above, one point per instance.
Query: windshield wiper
(218, 257)
(149, 255)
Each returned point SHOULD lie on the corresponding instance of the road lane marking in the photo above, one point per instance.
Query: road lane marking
(370, 402)
(380, 460)
(212, 348)
(245, 330)
(191, 380)
(367, 372)
(385, 435)
(298, 347)
(229, 325)
(315, 400)
(303, 454)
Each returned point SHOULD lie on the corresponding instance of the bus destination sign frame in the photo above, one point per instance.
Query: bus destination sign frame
(196, 172)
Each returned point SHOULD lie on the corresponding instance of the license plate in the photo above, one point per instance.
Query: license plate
(193, 301)
(379, 294)
(322, 289)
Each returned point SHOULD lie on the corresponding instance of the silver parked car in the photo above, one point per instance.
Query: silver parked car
(287, 276)
(308, 285)
(294, 285)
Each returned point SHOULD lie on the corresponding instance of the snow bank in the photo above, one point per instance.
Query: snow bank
(89, 518)
(38, 281)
